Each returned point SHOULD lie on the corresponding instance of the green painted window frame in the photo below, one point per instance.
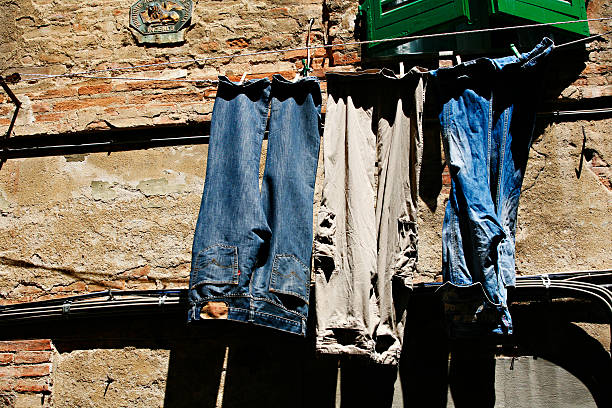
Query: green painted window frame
(545, 11)
(428, 16)
(410, 18)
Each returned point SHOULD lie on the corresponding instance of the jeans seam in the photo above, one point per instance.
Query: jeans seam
(502, 157)
(262, 129)
(489, 132)
(446, 130)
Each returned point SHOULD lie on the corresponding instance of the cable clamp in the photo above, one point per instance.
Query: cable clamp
(66, 308)
(545, 280)
(162, 299)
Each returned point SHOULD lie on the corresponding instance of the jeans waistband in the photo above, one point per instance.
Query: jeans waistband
(487, 69)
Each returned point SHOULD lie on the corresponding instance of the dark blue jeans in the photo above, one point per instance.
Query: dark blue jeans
(252, 249)
(487, 118)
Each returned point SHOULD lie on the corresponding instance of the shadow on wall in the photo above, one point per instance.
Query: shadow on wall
(225, 364)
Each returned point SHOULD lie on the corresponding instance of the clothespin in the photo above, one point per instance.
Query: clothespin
(515, 51)
(401, 69)
(306, 69)
(458, 59)
(243, 76)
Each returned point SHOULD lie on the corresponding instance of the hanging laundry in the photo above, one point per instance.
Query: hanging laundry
(252, 249)
(487, 114)
(366, 243)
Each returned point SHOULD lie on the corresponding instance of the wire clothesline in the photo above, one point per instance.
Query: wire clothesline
(88, 73)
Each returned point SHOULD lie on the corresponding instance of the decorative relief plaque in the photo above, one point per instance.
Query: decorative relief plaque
(160, 22)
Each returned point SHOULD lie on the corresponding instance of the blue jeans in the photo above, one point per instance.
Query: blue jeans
(487, 119)
(252, 249)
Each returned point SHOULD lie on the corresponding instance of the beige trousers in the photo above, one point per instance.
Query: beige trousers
(365, 249)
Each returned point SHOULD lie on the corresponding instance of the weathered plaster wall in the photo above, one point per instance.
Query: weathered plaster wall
(125, 220)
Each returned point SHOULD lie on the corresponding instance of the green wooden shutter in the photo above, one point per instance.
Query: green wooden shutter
(545, 11)
(399, 18)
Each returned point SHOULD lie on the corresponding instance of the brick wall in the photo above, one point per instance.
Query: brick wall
(25, 373)
(59, 37)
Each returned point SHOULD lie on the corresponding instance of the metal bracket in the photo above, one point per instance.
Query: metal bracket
(13, 78)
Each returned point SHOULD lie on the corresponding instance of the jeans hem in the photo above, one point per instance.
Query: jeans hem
(274, 317)
(473, 314)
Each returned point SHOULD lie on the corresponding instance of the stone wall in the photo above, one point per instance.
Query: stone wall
(77, 223)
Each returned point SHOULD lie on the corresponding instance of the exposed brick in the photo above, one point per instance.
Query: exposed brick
(597, 161)
(596, 69)
(207, 46)
(95, 89)
(40, 107)
(38, 370)
(5, 385)
(49, 117)
(294, 55)
(299, 54)
(79, 28)
(56, 93)
(104, 285)
(86, 103)
(446, 179)
(137, 273)
(73, 287)
(6, 358)
(346, 59)
(28, 385)
(32, 357)
(26, 290)
(138, 85)
(25, 345)
(166, 97)
(580, 82)
(237, 43)
(597, 91)
(278, 11)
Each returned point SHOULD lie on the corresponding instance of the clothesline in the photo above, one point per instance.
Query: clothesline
(82, 74)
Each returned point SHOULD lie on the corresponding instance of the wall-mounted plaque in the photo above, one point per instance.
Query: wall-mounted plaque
(160, 22)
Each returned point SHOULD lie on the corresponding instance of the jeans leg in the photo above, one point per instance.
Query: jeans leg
(231, 225)
(472, 230)
(287, 195)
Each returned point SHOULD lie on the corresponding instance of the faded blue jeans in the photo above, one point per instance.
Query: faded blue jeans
(487, 119)
(252, 248)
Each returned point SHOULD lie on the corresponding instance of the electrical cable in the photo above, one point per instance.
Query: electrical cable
(324, 46)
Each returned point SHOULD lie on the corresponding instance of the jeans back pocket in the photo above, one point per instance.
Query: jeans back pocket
(290, 277)
(217, 265)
